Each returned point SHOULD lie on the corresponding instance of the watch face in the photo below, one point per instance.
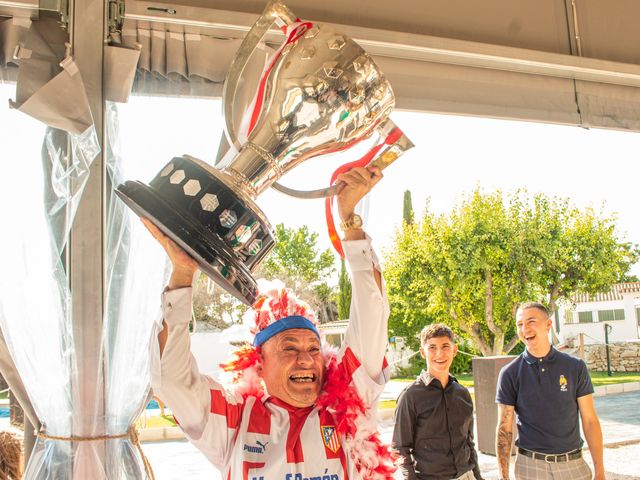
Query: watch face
(353, 222)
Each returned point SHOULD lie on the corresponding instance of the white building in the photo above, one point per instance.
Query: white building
(333, 332)
(619, 308)
(397, 355)
(213, 347)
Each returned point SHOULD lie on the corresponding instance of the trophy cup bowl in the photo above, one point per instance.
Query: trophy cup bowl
(320, 93)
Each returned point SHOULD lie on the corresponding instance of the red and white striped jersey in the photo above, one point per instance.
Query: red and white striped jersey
(267, 439)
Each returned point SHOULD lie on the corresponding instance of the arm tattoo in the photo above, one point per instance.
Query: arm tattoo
(504, 438)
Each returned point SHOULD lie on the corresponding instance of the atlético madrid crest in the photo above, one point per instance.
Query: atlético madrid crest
(330, 438)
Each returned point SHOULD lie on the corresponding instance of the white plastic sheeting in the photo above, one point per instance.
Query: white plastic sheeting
(39, 190)
(49, 86)
(136, 272)
(41, 187)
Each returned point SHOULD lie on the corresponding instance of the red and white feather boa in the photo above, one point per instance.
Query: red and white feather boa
(354, 420)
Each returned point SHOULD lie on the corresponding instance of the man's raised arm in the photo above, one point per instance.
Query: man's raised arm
(175, 376)
(366, 337)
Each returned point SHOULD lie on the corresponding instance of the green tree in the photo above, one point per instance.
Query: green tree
(407, 207)
(471, 268)
(212, 306)
(629, 277)
(296, 261)
(576, 251)
(344, 292)
(407, 287)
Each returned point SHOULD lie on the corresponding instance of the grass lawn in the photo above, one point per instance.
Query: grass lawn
(387, 404)
(4, 395)
(601, 378)
(598, 378)
(465, 379)
(157, 421)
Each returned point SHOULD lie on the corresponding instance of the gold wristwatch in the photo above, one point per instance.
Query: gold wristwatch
(354, 222)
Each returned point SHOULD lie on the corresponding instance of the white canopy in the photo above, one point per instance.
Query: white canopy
(572, 62)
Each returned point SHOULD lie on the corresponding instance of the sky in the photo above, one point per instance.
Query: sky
(452, 156)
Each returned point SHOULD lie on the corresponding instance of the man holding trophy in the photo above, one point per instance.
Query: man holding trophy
(296, 409)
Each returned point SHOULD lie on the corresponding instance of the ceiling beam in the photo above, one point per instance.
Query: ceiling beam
(424, 48)
(19, 8)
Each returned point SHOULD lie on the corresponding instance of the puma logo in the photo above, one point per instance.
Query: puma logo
(256, 449)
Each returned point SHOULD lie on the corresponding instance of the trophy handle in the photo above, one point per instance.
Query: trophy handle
(386, 154)
(273, 12)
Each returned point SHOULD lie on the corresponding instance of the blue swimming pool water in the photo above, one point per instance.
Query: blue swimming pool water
(4, 411)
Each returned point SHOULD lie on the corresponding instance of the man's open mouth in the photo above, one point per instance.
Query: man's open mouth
(529, 338)
(303, 378)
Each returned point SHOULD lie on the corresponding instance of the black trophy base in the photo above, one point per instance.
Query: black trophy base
(226, 236)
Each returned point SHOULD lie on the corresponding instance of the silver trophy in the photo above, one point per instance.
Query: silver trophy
(320, 93)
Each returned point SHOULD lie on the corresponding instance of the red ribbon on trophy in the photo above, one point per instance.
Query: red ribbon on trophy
(293, 32)
(392, 138)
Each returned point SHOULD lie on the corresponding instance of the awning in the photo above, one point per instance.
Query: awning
(569, 62)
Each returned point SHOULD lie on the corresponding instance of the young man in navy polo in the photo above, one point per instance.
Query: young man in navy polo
(546, 390)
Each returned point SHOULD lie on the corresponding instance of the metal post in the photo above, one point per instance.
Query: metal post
(607, 329)
(86, 247)
(29, 440)
(485, 378)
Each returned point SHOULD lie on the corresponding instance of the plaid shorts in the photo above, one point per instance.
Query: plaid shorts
(529, 469)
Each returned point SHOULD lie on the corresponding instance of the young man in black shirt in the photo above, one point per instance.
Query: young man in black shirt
(434, 417)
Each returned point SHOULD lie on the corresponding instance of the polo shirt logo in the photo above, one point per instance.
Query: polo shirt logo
(563, 383)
